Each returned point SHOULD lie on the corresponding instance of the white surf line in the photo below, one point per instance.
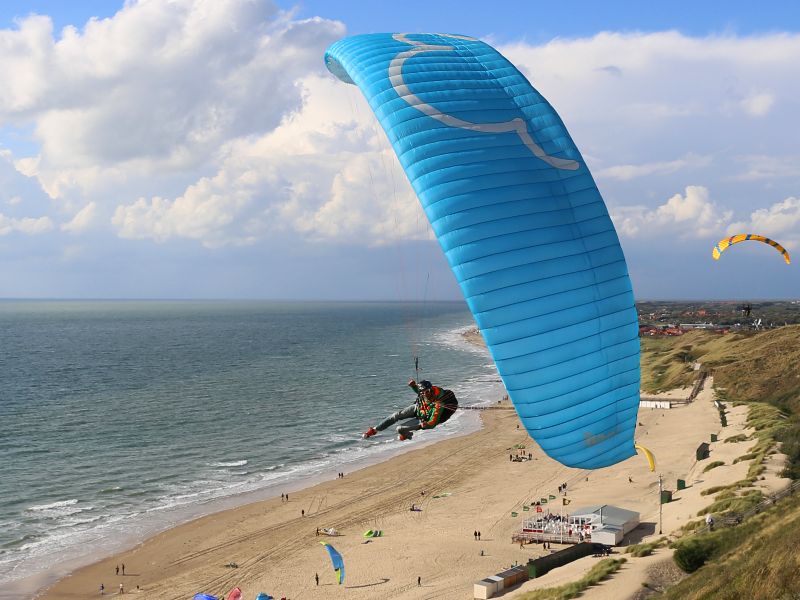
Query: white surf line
(517, 125)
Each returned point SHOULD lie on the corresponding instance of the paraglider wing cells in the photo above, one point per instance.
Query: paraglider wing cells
(524, 229)
(726, 243)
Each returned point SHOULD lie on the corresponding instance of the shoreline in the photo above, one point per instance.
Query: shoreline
(36, 573)
(309, 497)
(470, 485)
(38, 584)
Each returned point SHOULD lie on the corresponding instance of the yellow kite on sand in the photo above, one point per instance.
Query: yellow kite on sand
(651, 459)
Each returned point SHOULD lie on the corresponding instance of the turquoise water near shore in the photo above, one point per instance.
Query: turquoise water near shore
(120, 418)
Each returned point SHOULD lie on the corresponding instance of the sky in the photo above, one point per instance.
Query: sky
(199, 148)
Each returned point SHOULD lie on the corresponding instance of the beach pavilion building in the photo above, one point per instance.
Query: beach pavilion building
(604, 523)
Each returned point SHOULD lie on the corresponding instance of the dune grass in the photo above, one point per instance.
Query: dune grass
(736, 504)
(602, 570)
(646, 548)
(749, 456)
(743, 561)
(713, 465)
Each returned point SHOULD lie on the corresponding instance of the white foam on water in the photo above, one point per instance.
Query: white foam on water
(234, 463)
(53, 506)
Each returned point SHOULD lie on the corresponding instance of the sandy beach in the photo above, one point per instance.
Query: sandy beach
(275, 546)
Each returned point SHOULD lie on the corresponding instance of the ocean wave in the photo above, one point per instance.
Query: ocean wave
(18, 542)
(53, 506)
(234, 463)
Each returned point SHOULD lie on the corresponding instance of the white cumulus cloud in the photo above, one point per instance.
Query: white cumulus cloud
(628, 172)
(25, 225)
(325, 173)
(82, 220)
(779, 218)
(153, 91)
(691, 214)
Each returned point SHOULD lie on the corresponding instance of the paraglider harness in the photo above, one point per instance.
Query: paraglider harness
(436, 410)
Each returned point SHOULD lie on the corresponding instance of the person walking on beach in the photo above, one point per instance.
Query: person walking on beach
(102, 589)
(433, 406)
(121, 589)
(123, 569)
(419, 581)
(116, 571)
(316, 578)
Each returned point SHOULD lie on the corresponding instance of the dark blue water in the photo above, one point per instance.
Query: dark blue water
(117, 417)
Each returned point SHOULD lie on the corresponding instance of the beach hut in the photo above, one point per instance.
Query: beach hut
(610, 523)
(487, 588)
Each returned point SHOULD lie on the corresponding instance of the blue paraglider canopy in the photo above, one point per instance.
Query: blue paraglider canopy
(204, 597)
(523, 226)
(263, 596)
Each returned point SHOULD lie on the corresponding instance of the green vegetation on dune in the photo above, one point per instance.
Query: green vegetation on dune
(713, 465)
(645, 548)
(757, 368)
(733, 504)
(602, 570)
(756, 559)
(747, 366)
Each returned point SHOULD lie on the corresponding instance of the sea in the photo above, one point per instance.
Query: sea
(120, 419)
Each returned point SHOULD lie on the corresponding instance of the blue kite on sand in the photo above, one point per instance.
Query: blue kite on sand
(336, 560)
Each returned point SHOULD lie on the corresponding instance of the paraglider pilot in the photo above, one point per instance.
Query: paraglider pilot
(433, 406)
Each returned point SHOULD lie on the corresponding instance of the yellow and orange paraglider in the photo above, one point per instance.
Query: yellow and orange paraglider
(743, 237)
(651, 460)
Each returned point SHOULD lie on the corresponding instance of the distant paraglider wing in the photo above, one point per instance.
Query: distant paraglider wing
(336, 561)
(651, 459)
(523, 226)
(722, 245)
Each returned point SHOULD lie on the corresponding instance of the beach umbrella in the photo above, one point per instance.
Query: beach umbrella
(524, 229)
